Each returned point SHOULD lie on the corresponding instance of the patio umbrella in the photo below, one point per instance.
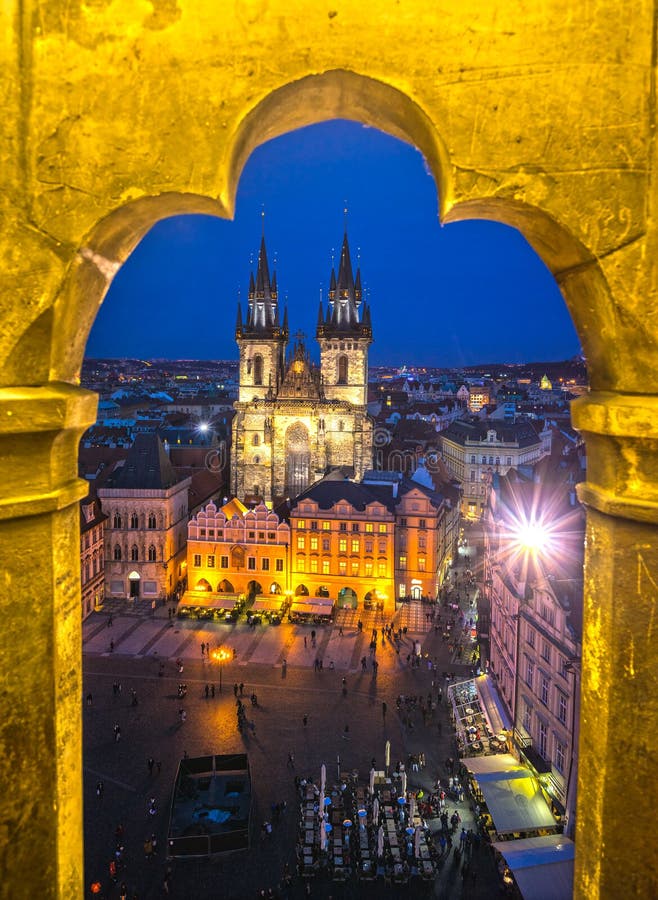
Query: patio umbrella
(387, 754)
(375, 810)
(380, 841)
(321, 804)
(323, 776)
(417, 842)
(372, 781)
(403, 785)
(323, 835)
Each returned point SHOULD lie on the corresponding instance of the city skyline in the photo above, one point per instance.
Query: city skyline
(476, 286)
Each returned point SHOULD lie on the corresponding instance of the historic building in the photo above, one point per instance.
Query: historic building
(92, 555)
(147, 507)
(233, 550)
(294, 420)
(474, 450)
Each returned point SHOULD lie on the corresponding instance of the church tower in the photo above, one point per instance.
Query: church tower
(344, 338)
(262, 338)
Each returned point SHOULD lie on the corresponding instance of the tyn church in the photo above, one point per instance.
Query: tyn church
(294, 420)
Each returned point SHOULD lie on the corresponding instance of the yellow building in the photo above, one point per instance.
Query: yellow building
(233, 550)
(294, 420)
(342, 544)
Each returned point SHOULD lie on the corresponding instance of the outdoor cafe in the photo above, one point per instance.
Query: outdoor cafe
(209, 605)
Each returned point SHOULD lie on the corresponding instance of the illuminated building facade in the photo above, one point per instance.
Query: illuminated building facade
(295, 420)
(92, 554)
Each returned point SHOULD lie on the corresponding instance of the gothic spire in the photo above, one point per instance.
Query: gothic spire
(263, 312)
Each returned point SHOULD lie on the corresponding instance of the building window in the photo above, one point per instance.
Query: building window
(562, 708)
(546, 651)
(210, 561)
(326, 545)
(484, 460)
(530, 636)
(355, 526)
(301, 523)
(543, 737)
(151, 521)
(368, 546)
(368, 569)
(382, 546)
(151, 553)
(251, 563)
(421, 563)
(422, 523)
(134, 521)
(508, 461)
(314, 565)
(116, 522)
(314, 525)
(342, 369)
(403, 522)
(202, 532)
(301, 542)
(265, 564)
(355, 545)
(422, 542)
(197, 561)
(559, 756)
(271, 535)
(355, 569)
(369, 528)
(314, 542)
(544, 690)
(382, 529)
(342, 526)
(255, 441)
(381, 568)
(342, 567)
(527, 718)
(117, 552)
(223, 562)
(403, 562)
(278, 565)
(342, 545)
(326, 526)
(530, 672)
(473, 476)
(473, 460)
(326, 566)
(134, 553)
(258, 369)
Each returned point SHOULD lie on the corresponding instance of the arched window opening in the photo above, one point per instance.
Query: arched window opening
(134, 521)
(116, 522)
(134, 553)
(117, 552)
(152, 523)
(258, 369)
(342, 369)
(255, 441)
(152, 556)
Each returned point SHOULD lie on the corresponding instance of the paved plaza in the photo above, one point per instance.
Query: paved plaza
(143, 660)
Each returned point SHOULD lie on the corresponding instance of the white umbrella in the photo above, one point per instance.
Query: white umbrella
(321, 804)
(375, 810)
(417, 842)
(412, 808)
(323, 776)
(387, 754)
(372, 781)
(323, 836)
(403, 783)
(380, 841)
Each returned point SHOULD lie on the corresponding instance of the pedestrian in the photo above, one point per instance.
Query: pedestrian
(384, 708)
(235, 689)
(90, 699)
(305, 642)
(111, 646)
(100, 788)
(340, 631)
(203, 649)
(112, 870)
(212, 690)
(291, 760)
(150, 762)
(158, 766)
(117, 733)
(207, 691)
(241, 688)
(346, 733)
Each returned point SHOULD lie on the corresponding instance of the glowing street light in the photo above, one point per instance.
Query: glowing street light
(220, 656)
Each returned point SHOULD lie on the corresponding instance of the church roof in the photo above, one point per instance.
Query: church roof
(147, 467)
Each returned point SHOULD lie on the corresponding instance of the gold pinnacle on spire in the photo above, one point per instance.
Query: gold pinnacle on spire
(345, 215)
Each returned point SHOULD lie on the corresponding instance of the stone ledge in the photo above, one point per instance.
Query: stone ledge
(57, 406)
(616, 414)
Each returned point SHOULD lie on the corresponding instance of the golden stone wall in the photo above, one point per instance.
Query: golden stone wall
(117, 113)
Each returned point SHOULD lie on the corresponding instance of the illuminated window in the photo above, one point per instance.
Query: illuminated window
(326, 566)
(342, 567)
(355, 545)
(301, 542)
(382, 529)
(300, 563)
(355, 568)
(314, 542)
(210, 561)
(314, 564)
(369, 527)
(403, 562)
(326, 526)
(381, 567)
(301, 523)
(421, 563)
(342, 545)
(368, 568)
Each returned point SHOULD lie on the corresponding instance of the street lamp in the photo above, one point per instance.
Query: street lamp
(220, 656)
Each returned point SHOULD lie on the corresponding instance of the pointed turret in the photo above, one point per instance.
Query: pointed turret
(357, 289)
(320, 315)
(238, 321)
(345, 296)
(263, 312)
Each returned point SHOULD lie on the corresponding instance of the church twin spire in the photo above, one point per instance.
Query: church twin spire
(263, 306)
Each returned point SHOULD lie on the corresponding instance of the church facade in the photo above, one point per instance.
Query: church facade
(295, 420)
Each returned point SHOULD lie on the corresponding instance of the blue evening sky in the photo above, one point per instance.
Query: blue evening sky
(461, 294)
